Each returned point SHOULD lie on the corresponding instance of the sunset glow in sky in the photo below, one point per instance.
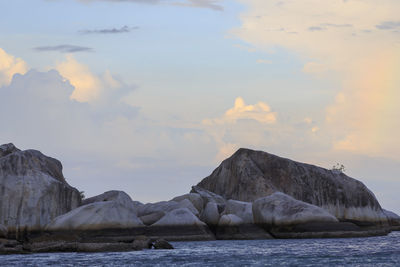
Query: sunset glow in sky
(148, 96)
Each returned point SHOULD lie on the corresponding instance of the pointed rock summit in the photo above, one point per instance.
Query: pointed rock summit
(248, 175)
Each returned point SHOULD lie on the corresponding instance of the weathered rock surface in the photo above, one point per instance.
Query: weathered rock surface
(117, 196)
(230, 220)
(248, 175)
(152, 217)
(210, 214)
(393, 218)
(241, 209)
(186, 203)
(195, 198)
(7, 149)
(164, 206)
(95, 216)
(33, 190)
(142, 242)
(209, 196)
(3, 231)
(179, 217)
(280, 209)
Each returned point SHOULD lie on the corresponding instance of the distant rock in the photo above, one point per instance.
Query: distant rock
(210, 214)
(96, 216)
(162, 244)
(241, 209)
(208, 196)
(195, 198)
(230, 220)
(280, 209)
(179, 217)
(33, 189)
(248, 175)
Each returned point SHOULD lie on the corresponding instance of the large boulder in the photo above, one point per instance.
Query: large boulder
(280, 209)
(151, 218)
(96, 216)
(241, 209)
(195, 198)
(33, 189)
(117, 196)
(210, 214)
(208, 196)
(230, 220)
(248, 175)
(164, 206)
(179, 217)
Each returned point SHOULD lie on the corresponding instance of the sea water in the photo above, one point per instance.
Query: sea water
(371, 251)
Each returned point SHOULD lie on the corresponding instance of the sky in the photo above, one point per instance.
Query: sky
(149, 96)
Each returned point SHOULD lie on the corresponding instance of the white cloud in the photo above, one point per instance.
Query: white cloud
(229, 131)
(9, 65)
(361, 52)
(87, 85)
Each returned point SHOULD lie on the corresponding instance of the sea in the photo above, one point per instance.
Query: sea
(370, 251)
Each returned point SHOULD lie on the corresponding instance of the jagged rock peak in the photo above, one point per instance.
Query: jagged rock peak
(7, 149)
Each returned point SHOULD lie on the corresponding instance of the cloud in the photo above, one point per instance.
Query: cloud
(124, 29)
(87, 85)
(388, 25)
(9, 65)
(65, 48)
(259, 112)
(316, 28)
(359, 53)
(241, 125)
(210, 4)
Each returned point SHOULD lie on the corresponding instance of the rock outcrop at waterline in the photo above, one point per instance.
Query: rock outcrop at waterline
(33, 189)
(248, 175)
(252, 195)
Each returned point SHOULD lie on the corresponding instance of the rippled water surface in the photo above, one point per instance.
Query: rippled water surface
(372, 251)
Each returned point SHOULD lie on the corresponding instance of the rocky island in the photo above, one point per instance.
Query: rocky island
(251, 195)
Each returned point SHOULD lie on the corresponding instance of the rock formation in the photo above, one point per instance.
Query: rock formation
(241, 209)
(179, 217)
(3, 231)
(117, 196)
(279, 209)
(195, 198)
(251, 195)
(248, 175)
(33, 190)
(96, 216)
